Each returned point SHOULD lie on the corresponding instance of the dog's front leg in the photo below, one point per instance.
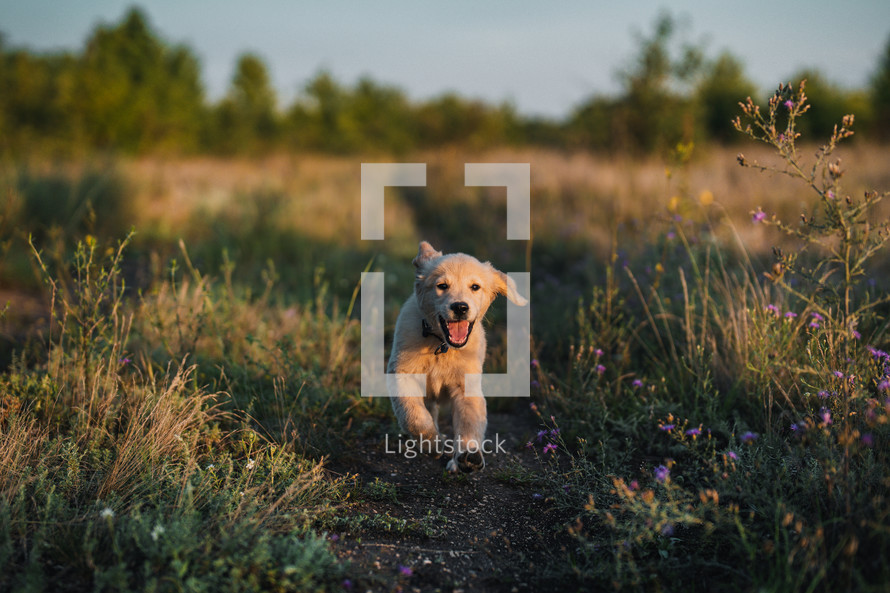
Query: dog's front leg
(470, 421)
(407, 395)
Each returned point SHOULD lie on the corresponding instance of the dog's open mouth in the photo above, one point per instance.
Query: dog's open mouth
(456, 332)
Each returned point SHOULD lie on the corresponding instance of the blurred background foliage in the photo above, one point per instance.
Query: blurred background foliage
(131, 91)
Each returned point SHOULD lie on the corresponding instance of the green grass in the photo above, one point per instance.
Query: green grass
(170, 424)
(737, 430)
(126, 467)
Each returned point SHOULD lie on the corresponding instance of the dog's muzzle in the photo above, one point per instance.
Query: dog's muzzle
(456, 333)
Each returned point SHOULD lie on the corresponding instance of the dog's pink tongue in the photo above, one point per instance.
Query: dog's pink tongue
(458, 331)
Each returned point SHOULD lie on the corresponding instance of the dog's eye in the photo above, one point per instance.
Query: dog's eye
(442, 286)
(475, 287)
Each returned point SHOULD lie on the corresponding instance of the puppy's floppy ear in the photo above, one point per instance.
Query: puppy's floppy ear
(506, 286)
(426, 253)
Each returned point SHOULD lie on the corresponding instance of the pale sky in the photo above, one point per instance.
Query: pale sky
(544, 57)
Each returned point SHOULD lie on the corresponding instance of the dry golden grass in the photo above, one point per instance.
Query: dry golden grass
(576, 196)
(320, 195)
(258, 335)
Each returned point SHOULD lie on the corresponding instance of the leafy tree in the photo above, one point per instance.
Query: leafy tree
(595, 125)
(451, 119)
(35, 95)
(654, 111)
(133, 92)
(317, 118)
(380, 117)
(880, 95)
(5, 92)
(370, 117)
(247, 118)
(717, 96)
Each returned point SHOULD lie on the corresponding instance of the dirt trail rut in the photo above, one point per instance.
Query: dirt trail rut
(485, 531)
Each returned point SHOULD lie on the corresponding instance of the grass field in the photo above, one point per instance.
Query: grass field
(181, 411)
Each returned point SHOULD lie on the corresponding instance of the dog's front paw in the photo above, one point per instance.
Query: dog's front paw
(466, 462)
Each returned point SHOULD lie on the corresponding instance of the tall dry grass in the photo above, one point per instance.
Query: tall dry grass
(575, 195)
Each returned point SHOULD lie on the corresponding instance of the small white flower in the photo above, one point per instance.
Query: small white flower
(250, 463)
(157, 532)
(106, 513)
(211, 466)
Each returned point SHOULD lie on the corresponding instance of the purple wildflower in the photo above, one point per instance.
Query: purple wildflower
(334, 537)
(789, 104)
(884, 385)
(529, 445)
(554, 432)
(124, 360)
(758, 216)
(825, 415)
(816, 320)
(667, 427)
(868, 440)
(537, 496)
(662, 473)
(598, 352)
(830, 195)
(671, 235)
(535, 363)
(693, 432)
(790, 315)
(637, 383)
(667, 530)
(347, 584)
(857, 335)
(634, 485)
(838, 374)
(549, 447)
(771, 308)
(733, 456)
(749, 437)
(535, 385)
(541, 435)
(405, 571)
(823, 394)
(600, 369)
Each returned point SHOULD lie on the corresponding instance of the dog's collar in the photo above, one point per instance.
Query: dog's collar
(428, 331)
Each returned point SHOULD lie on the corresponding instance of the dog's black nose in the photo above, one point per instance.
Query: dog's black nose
(460, 307)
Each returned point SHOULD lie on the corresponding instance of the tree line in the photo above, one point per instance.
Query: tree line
(130, 91)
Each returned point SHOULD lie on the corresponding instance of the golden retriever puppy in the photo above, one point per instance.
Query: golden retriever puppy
(439, 334)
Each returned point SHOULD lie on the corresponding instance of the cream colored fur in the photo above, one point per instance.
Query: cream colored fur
(447, 289)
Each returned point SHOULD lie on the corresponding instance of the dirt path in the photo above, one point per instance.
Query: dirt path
(485, 531)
